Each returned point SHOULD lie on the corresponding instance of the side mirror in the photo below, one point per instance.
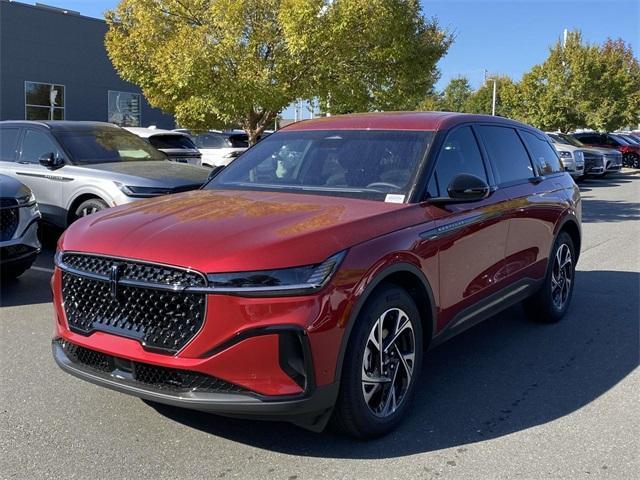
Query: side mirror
(215, 171)
(464, 188)
(50, 160)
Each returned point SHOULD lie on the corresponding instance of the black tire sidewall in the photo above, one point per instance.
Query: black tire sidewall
(549, 307)
(101, 204)
(364, 422)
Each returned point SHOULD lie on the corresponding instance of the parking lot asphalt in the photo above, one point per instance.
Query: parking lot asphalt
(506, 399)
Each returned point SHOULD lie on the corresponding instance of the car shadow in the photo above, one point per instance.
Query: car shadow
(501, 377)
(595, 210)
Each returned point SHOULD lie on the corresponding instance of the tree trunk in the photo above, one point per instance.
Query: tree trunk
(256, 123)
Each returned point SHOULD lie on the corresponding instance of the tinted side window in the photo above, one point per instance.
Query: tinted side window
(8, 144)
(589, 139)
(35, 144)
(543, 154)
(210, 140)
(507, 153)
(459, 154)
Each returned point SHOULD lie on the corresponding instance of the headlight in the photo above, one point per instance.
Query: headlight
(287, 281)
(143, 192)
(565, 155)
(26, 200)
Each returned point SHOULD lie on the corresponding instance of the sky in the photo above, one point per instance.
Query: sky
(505, 37)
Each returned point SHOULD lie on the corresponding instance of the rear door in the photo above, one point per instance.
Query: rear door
(45, 183)
(530, 174)
(470, 237)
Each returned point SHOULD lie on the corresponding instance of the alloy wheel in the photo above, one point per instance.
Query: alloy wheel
(88, 211)
(388, 362)
(561, 276)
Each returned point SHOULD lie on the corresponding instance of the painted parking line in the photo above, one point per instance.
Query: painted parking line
(42, 269)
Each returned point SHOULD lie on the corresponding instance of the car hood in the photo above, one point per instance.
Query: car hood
(155, 173)
(226, 231)
(12, 188)
(601, 150)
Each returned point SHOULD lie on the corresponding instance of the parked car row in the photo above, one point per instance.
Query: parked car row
(626, 144)
(581, 158)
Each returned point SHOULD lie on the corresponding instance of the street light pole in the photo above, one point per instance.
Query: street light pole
(493, 104)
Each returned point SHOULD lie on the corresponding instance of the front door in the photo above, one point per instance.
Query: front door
(45, 183)
(470, 237)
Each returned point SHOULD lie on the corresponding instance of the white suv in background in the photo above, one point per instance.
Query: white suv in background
(571, 155)
(178, 146)
(218, 149)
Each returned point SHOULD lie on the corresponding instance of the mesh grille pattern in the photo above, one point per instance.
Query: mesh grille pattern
(160, 319)
(160, 378)
(8, 223)
(8, 202)
(139, 271)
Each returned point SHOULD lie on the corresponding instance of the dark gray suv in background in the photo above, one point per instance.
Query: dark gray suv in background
(78, 168)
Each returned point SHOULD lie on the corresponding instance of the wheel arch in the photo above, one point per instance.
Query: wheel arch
(75, 203)
(570, 225)
(408, 277)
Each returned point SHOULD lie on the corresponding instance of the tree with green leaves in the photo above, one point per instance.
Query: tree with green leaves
(580, 85)
(219, 63)
(481, 100)
(456, 95)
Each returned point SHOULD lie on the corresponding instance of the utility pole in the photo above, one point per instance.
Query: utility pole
(493, 104)
(495, 88)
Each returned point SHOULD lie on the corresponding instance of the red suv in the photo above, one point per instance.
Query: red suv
(305, 281)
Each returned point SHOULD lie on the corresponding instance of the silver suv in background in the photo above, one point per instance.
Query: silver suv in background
(178, 146)
(572, 156)
(78, 168)
(19, 216)
(597, 161)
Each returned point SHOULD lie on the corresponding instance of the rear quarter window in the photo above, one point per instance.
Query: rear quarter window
(543, 154)
(507, 153)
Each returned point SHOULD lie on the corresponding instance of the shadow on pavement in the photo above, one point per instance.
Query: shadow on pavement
(596, 210)
(503, 376)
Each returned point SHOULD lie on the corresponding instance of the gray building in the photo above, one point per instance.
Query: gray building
(53, 65)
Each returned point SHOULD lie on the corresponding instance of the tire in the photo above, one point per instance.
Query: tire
(14, 270)
(631, 160)
(551, 302)
(88, 207)
(373, 417)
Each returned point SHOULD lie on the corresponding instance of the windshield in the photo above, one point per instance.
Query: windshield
(620, 140)
(565, 139)
(363, 164)
(172, 141)
(631, 139)
(104, 145)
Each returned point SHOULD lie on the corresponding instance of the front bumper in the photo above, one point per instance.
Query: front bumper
(24, 246)
(305, 409)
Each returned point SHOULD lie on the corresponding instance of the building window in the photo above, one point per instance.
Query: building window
(44, 101)
(124, 109)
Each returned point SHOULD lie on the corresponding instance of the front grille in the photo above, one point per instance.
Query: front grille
(8, 202)
(9, 218)
(612, 159)
(162, 320)
(592, 160)
(132, 270)
(159, 378)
